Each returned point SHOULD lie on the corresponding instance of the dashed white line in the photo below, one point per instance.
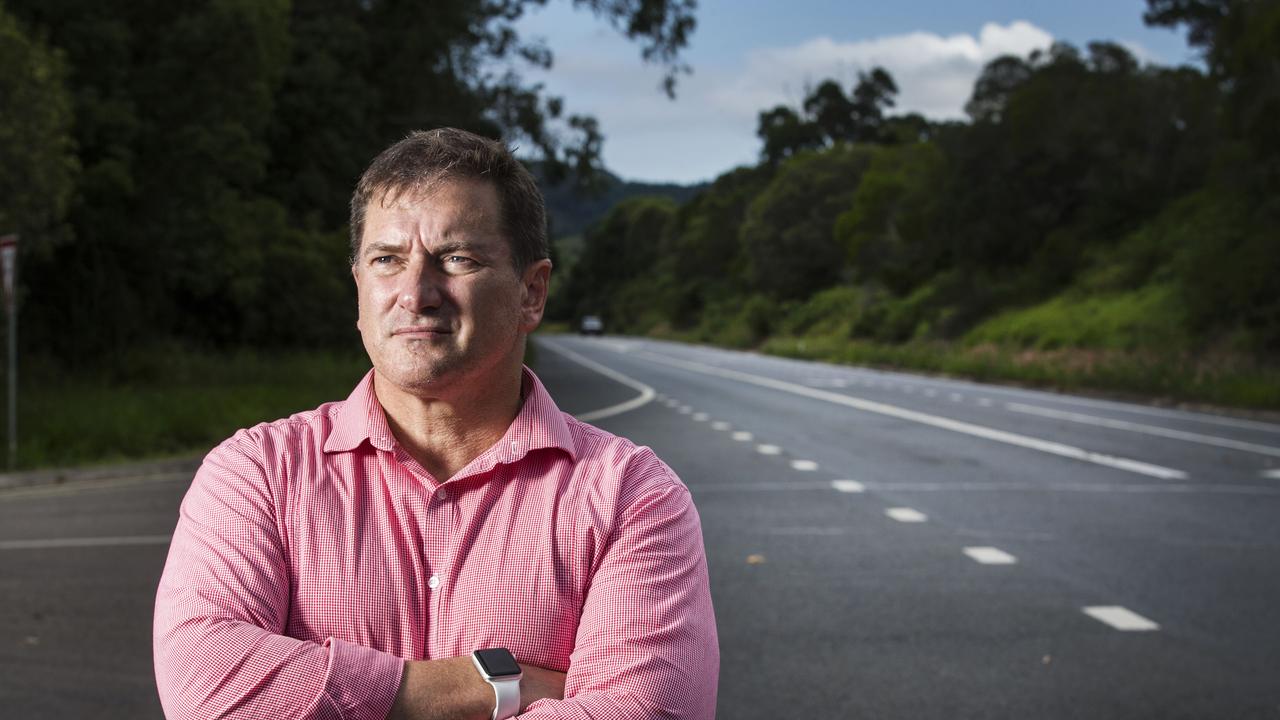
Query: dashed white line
(930, 392)
(848, 486)
(45, 544)
(720, 425)
(743, 436)
(1120, 618)
(1272, 474)
(985, 402)
(804, 465)
(990, 556)
(701, 417)
(768, 449)
(671, 403)
(684, 410)
(908, 389)
(906, 515)
(956, 397)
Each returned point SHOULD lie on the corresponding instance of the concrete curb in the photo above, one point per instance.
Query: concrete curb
(60, 476)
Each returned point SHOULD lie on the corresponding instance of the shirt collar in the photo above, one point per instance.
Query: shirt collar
(538, 425)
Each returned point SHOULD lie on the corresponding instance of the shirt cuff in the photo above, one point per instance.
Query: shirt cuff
(362, 682)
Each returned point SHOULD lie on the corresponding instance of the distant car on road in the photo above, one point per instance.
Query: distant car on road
(591, 325)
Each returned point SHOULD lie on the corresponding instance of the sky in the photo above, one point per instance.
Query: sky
(750, 55)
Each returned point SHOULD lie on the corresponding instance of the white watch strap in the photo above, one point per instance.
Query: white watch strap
(508, 698)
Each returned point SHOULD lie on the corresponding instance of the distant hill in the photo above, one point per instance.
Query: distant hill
(572, 210)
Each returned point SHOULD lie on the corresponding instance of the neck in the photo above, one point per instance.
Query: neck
(446, 431)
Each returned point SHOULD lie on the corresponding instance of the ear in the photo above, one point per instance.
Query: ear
(355, 275)
(535, 282)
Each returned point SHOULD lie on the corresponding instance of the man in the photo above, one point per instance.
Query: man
(390, 555)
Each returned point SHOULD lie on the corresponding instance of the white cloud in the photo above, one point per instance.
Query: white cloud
(711, 127)
(935, 74)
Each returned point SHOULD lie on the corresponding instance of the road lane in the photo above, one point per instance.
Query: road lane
(1200, 562)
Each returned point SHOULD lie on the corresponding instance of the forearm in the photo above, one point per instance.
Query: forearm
(452, 689)
(209, 668)
(445, 689)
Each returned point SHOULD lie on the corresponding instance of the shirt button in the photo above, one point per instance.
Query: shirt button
(434, 582)
(442, 494)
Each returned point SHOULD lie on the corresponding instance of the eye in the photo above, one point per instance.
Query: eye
(458, 262)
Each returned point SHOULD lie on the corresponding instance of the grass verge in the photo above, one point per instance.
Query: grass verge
(167, 402)
(1225, 380)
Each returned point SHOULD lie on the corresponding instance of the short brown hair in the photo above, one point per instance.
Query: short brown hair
(426, 158)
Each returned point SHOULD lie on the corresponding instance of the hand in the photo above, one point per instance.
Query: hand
(539, 683)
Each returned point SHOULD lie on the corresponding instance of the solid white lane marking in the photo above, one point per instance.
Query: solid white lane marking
(768, 449)
(701, 417)
(906, 515)
(1272, 474)
(788, 486)
(1009, 438)
(1118, 488)
(646, 392)
(848, 486)
(804, 465)
(743, 436)
(50, 543)
(990, 556)
(1120, 618)
(720, 425)
(1144, 429)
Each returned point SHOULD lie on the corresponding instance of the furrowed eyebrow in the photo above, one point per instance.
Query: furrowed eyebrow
(383, 247)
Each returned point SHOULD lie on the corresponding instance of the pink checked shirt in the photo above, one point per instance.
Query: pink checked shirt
(313, 556)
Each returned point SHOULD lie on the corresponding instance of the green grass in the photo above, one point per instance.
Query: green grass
(1148, 317)
(167, 402)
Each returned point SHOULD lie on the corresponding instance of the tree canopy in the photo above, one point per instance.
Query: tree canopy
(181, 171)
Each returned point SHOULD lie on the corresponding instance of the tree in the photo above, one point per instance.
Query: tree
(787, 235)
(873, 94)
(36, 148)
(999, 79)
(785, 133)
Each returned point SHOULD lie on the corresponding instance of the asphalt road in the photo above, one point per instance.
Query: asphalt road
(881, 545)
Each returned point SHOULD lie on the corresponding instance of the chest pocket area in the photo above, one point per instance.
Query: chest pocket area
(347, 590)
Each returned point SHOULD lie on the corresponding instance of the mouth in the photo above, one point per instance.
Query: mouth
(421, 331)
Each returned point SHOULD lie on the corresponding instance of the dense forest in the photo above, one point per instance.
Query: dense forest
(1088, 202)
(179, 173)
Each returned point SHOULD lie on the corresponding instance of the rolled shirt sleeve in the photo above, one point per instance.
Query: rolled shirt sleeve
(646, 644)
(222, 605)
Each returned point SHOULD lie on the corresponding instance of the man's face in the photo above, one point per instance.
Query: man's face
(440, 301)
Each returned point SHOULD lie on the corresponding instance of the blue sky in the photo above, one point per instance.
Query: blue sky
(749, 55)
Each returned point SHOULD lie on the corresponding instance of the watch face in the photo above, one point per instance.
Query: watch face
(498, 662)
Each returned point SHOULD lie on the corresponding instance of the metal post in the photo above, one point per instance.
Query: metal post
(9, 260)
(13, 384)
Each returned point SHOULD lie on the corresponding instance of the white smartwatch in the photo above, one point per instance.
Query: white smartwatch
(499, 668)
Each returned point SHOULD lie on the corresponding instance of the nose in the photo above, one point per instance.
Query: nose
(420, 286)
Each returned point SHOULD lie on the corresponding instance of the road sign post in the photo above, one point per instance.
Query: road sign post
(9, 260)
